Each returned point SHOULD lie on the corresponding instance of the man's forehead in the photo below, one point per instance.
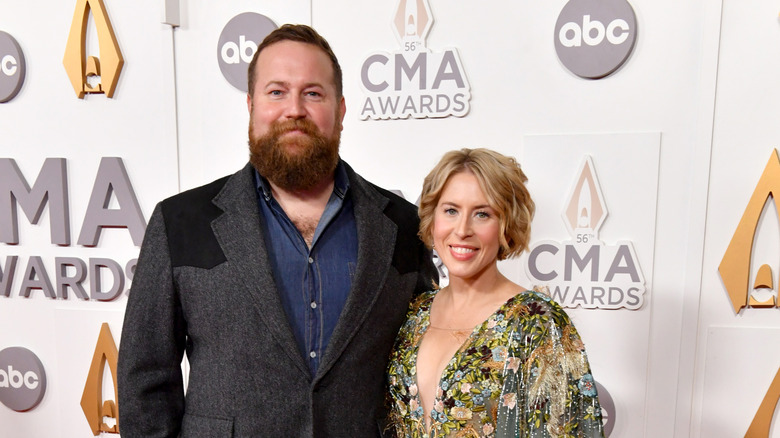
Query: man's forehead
(285, 61)
(288, 49)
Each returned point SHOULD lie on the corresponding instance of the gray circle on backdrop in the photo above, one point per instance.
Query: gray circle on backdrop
(607, 407)
(22, 379)
(593, 38)
(237, 45)
(12, 67)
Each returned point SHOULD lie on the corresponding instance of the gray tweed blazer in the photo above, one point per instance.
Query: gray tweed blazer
(204, 286)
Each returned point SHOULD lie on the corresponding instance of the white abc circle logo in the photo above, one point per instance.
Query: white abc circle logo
(238, 43)
(9, 65)
(22, 379)
(15, 379)
(572, 35)
(233, 53)
(593, 38)
(12, 67)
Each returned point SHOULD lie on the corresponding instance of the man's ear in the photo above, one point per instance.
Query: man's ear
(342, 112)
(249, 103)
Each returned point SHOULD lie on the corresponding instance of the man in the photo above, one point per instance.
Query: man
(285, 283)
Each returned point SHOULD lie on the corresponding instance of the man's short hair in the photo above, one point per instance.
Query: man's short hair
(303, 34)
(503, 183)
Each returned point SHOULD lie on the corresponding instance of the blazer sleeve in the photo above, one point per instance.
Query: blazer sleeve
(149, 374)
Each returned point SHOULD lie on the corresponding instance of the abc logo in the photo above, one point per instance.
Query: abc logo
(238, 43)
(14, 379)
(233, 53)
(12, 67)
(22, 379)
(593, 38)
(572, 35)
(9, 65)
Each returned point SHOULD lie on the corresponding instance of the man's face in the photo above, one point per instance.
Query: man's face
(295, 115)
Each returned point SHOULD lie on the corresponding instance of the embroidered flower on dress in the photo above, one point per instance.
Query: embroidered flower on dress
(587, 386)
(460, 413)
(458, 375)
(510, 400)
(487, 429)
(500, 353)
(401, 407)
(415, 407)
(413, 390)
(535, 309)
(465, 387)
(513, 363)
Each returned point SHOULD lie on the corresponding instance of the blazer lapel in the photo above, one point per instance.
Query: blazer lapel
(241, 237)
(376, 242)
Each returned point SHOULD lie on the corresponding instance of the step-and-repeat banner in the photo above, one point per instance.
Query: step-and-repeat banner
(108, 107)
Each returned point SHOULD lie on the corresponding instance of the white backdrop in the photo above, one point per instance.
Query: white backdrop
(702, 79)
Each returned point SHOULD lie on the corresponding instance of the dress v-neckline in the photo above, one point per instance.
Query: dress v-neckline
(468, 341)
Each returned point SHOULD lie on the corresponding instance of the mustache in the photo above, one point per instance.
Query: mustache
(303, 125)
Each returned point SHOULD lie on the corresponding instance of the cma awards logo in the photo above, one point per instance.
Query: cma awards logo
(414, 81)
(737, 268)
(101, 414)
(585, 271)
(90, 74)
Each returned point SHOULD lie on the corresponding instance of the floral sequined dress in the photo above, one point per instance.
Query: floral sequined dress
(522, 373)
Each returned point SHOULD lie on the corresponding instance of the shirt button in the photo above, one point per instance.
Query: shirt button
(311, 260)
(312, 355)
(313, 305)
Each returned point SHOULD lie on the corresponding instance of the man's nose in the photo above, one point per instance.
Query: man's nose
(295, 108)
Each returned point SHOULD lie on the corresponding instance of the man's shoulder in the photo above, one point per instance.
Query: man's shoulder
(199, 197)
(398, 209)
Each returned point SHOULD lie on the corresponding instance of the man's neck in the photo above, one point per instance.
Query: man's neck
(304, 207)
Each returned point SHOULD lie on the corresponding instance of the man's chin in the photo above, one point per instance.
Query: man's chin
(294, 146)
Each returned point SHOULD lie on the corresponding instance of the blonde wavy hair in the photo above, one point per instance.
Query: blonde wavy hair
(503, 183)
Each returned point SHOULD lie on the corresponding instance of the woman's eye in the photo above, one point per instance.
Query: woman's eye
(483, 214)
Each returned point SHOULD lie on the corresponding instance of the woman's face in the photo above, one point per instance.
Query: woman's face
(465, 228)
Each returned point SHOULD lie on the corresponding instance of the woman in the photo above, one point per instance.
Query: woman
(484, 356)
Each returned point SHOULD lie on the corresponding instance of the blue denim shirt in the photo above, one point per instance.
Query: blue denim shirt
(313, 283)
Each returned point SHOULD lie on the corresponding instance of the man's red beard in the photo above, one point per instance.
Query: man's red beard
(297, 163)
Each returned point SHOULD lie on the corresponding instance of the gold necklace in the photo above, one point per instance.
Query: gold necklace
(460, 334)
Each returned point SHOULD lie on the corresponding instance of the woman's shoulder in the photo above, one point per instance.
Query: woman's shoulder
(422, 301)
(536, 303)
